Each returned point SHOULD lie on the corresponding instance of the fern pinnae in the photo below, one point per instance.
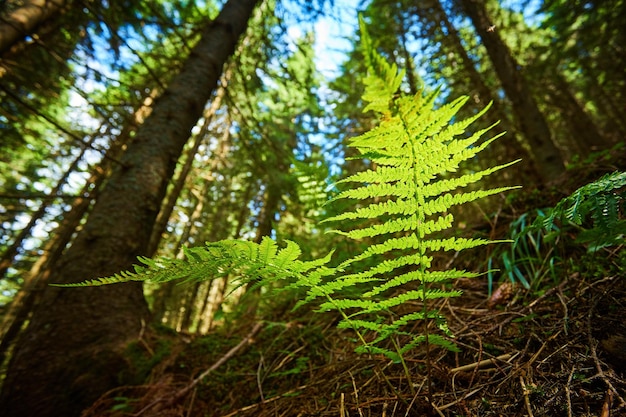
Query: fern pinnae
(427, 277)
(399, 189)
(383, 174)
(449, 184)
(603, 201)
(412, 147)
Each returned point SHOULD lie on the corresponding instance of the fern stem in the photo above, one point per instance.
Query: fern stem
(406, 368)
(420, 203)
(347, 319)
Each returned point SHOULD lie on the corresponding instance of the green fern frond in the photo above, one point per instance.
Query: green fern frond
(404, 201)
(588, 198)
(602, 201)
(246, 261)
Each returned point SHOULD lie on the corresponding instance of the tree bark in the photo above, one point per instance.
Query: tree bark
(584, 133)
(179, 184)
(24, 21)
(533, 125)
(508, 148)
(73, 349)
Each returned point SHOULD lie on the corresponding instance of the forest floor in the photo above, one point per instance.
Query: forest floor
(556, 349)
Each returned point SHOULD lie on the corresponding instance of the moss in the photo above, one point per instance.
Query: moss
(280, 358)
(596, 265)
(143, 359)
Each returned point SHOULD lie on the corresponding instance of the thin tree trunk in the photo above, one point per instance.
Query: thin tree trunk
(191, 298)
(73, 349)
(160, 311)
(202, 300)
(24, 21)
(511, 146)
(532, 123)
(584, 134)
(210, 306)
(8, 256)
(613, 117)
(408, 59)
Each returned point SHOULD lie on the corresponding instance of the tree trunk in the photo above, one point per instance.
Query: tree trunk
(24, 21)
(585, 135)
(548, 159)
(408, 59)
(73, 349)
(612, 113)
(37, 278)
(508, 148)
(179, 184)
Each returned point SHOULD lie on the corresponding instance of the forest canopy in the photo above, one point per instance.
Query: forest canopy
(141, 130)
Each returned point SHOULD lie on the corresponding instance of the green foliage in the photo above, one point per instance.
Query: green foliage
(249, 261)
(601, 202)
(596, 213)
(403, 205)
(528, 259)
(597, 27)
(142, 361)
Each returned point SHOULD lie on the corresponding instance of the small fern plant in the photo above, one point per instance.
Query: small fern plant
(602, 202)
(404, 203)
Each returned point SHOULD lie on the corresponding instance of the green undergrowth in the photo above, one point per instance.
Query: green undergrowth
(582, 229)
(280, 358)
(303, 360)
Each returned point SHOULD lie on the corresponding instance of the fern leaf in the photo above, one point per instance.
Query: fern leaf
(399, 189)
(248, 261)
(420, 276)
(601, 200)
(383, 174)
(405, 201)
